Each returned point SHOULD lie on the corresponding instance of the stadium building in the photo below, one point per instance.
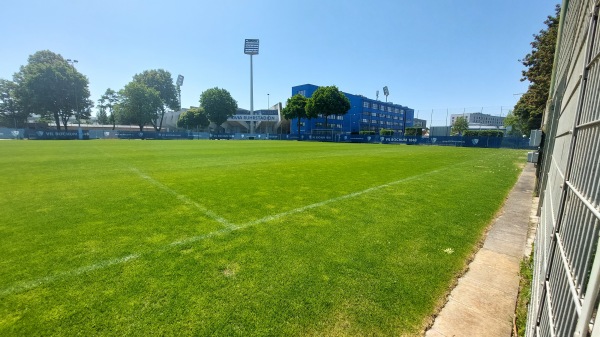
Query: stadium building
(365, 114)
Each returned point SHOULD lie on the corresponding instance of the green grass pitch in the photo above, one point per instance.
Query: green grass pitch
(234, 238)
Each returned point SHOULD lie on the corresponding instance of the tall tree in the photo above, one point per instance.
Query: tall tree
(161, 81)
(139, 104)
(517, 125)
(327, 101)
(101, 114)
(193, 118)
(295, 107)
(48, 85)
(218, 105)
(530, 107)
(11, 113)
(108, 101)
(459, 126)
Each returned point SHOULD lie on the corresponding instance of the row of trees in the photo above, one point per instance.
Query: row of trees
(51, 87)
(216, 105)
(48, 85)
(325, 101)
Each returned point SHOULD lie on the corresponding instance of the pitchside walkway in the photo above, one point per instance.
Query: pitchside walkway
(483, 302)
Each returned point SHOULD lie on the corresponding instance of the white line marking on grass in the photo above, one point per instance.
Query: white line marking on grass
(230, 228)
(183, 198)
(23, 286)
(329, 201)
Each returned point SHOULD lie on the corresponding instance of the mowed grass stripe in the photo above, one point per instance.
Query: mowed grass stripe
(371, 264)
(23, 286)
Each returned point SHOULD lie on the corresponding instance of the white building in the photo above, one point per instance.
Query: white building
(265, 120)
(476, 119)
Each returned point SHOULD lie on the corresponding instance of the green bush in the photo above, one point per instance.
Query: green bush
(367, 132)
(413, 132)
(386, 132)
(484, 133)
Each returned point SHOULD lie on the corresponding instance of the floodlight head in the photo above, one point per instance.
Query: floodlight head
(386, 91)
(251, 47)
(179, 80)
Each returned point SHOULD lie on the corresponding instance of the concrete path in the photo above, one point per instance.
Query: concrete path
(483, 302)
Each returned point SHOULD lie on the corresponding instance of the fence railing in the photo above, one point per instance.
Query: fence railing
(486, 142)
(564, 299)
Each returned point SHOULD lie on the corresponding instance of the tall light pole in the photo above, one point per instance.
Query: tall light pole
(251, 48)
(179, 84)
(72, 63)
(431, 122)
(268, 103)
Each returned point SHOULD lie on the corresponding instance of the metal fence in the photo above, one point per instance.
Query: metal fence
(564, 299)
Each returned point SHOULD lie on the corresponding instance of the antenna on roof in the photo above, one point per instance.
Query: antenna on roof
(377, 95)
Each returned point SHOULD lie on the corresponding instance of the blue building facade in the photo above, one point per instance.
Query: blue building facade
(365, 114)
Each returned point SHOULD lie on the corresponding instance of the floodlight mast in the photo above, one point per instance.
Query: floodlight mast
(251, 48)
(179, 84)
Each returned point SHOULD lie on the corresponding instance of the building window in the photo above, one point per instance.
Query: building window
(373, 114)
(375, 106)
(365, 104)
(364, 120)
(302, 92)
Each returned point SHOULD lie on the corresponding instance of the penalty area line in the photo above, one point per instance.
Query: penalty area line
(332, 200)
(183, 198)
(24, 286)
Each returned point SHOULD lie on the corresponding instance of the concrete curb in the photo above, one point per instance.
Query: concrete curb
(483, 301)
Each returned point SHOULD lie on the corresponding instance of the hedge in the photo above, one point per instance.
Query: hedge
(413, 132)
(483, 133)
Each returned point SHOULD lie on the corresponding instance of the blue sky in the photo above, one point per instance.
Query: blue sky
(459, 55)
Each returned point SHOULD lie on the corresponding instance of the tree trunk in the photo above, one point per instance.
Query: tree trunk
(112, 117)
(65, 121)
(57, 121)
(162, 116)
